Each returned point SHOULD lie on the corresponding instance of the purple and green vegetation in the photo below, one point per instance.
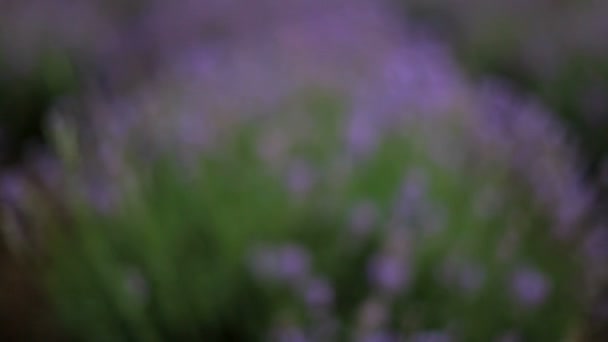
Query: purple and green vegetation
(289, 171)
(554, 49)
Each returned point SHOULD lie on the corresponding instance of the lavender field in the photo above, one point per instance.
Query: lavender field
(303, 170)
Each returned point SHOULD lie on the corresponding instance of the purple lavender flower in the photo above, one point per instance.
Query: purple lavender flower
(372, 315)
(465, 275)
(289, 263)
(378, 336)
(294, 262)
(572, 206)
(415, 186)
(595, 245)
(399, 243)
(530, 287)
(389, 273)
(300, 178)
(362, 135)
(193, 130)
(49, 169)
(318, 293)
(13, 187)
(430, 336)
(363, 218)
(101, 196)
(412, 196)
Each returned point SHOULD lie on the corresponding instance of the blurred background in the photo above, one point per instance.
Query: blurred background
(63, 56)
(551, 49)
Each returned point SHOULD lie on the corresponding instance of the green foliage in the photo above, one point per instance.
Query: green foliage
(25, 100)
(173, 261)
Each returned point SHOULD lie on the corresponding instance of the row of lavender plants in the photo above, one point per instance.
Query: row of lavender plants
(291, 171)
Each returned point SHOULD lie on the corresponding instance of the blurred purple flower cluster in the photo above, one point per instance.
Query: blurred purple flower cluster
(222, 67)
(125, 42)
(394, 83)
(554, 49)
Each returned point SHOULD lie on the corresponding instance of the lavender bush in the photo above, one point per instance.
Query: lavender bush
(325, 178)
(551, 48)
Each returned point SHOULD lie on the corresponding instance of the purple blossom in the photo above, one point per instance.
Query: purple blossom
(416, 186)
(101, 196)
(428, 84)
(530, 287)
(192, 129)
(378, 336)
(595, 245)
(49, 169)
(388, 273)
(399, 243)
(526, 139)
(373, 314)
(290, 334)
(294, 262)
(290, 263)
(300, 178)
(412, 195)
(430, 336)
(465, 275)
(13, 187)
(414, 209)
(33, 25)
(572, 206)
(362, 135)
(363, 217)
(318, 293)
